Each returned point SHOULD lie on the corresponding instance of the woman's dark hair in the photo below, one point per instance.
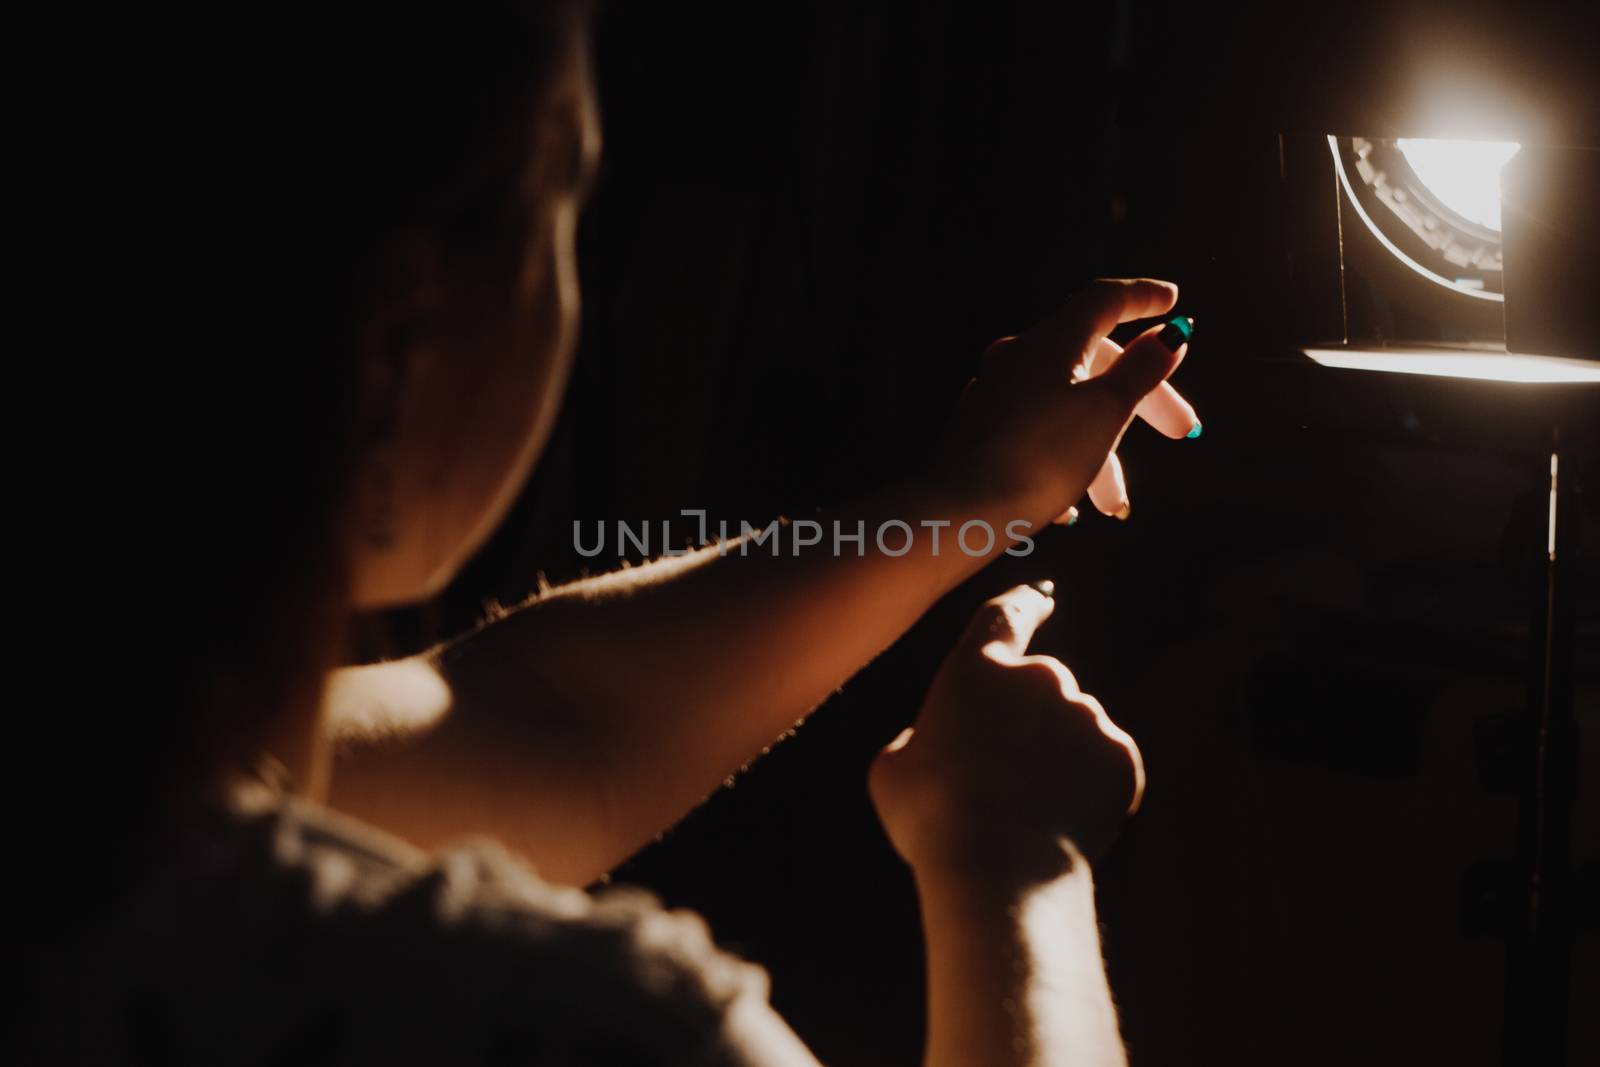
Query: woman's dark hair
(214, 242)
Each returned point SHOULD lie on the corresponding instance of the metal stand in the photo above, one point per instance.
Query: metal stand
(1539, 960)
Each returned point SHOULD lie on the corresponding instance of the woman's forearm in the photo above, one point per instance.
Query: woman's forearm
(635, 694)
(1015, 977)
(597, 716)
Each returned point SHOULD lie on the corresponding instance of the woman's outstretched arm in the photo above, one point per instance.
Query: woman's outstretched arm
(587, 721)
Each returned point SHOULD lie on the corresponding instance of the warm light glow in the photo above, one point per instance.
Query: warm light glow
(1463, 363)
(1464, 175)
(1394, 249)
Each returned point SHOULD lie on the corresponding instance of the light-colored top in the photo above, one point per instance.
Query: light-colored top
(288, 934)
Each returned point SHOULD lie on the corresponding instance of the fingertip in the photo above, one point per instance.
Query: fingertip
(1155, 296)
(1169, 288)
(1109, 490)
(1003, 629)
(1025, 607)
(1165, 409)
(1158, 295)
(1042, 603)
(1176, 332)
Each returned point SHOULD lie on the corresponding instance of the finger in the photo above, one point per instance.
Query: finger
(1123, 738)
(1066, 518)
(1095, 310)
(1136, 758)
(1143, 365)
(1164, 408)
(1004, 626)
(1109, 490)
(1105, 353)
(1064, 675)
(1169, 413)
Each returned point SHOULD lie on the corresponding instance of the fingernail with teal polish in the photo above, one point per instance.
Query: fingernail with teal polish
(1072, 518)
(1194, 431)
(1177, 332)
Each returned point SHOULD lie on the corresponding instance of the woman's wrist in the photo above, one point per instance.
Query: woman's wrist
(948, 492)
(998, 866)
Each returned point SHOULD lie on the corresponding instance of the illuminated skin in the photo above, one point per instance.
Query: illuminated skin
(581, 725)
(1164, 409)
(1022, 934)
(544, 720)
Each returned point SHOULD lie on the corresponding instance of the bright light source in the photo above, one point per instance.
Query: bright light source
(1385, 192)
(1462, 363)
(1464, 175)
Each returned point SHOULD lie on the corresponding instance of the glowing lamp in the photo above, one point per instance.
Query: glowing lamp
(1465, 259)
(1475, 259)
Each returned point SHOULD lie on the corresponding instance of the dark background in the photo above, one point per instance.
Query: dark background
(810, 220)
